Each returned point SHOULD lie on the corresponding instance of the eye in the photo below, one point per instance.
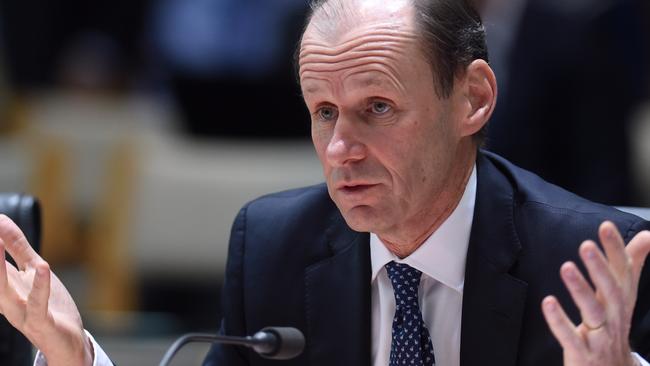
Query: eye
(326, 113)
(380, 108)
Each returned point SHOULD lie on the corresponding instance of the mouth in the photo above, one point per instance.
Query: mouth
(355, 188)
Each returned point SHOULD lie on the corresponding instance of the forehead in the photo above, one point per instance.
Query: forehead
(379, 49)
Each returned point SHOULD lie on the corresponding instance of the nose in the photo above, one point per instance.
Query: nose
(346, 145)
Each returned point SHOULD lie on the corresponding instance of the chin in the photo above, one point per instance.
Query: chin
(362, 218)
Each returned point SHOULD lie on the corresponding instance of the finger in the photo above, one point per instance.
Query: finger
(637, 250)
(39, 296)
(561, 326)
(591, 310)
(3, 268)
(599, 271)
(16, 243)
(3, 277)
(8, 305)
(614, 249)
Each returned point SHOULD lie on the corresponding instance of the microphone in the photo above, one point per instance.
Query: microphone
(276, 343)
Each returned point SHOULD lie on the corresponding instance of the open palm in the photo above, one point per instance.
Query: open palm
(36, 303)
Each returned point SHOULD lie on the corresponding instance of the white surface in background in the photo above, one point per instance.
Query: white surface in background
(186, 191)
(16, 165)
(88, 129)
(643, 213)
(189, 193)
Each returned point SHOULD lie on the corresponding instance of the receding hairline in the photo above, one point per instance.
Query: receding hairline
(331, 19)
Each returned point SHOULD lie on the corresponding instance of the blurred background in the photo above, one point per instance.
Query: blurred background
(144, 125)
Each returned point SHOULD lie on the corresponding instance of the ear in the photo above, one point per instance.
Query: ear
(479, 93)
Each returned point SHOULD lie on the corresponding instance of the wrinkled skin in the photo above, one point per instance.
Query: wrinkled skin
(36, 303)
(602, 338)
(395, 156)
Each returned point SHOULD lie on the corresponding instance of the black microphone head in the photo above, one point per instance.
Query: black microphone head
(289, 343)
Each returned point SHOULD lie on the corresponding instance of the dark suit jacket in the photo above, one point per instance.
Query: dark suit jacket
(294, 262)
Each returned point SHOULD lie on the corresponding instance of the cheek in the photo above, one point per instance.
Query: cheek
(417, 167)
(320, 138)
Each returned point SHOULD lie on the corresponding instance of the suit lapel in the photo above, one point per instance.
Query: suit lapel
(337, 300)
(493, 300)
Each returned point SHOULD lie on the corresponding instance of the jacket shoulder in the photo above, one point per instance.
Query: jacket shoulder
(554, 208)
(287, 224)
(290, 204)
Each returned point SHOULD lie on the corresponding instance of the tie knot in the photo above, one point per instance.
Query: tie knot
(405, 280)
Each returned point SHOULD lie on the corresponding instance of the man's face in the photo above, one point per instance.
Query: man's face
(387, 143)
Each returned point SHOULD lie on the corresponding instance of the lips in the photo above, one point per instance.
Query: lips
(355, 187)
(355, 191)
(348, 183)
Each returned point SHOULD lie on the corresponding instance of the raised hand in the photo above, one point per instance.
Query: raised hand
(603, 336)
(36, 303)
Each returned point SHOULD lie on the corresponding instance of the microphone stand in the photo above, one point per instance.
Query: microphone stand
(271, 342)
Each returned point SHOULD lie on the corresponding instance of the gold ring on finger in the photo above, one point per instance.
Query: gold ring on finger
(596, 327)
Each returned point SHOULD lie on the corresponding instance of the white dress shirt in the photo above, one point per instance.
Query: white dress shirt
(100, 358)
(441, 259)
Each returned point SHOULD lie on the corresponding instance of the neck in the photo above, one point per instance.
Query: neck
(404, 245)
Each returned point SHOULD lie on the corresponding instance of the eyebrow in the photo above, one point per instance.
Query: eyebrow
(311, 85)
(311, 89)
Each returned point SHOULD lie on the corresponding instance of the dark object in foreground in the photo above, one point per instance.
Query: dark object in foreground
(276, 343)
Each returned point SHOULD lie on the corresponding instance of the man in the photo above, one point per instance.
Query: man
(421, 249)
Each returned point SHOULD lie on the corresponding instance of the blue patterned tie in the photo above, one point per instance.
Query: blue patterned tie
(411, 344)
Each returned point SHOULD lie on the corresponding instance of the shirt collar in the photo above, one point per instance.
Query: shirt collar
(443, 254)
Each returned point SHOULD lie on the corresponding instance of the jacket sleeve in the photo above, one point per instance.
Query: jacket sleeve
(233, 321)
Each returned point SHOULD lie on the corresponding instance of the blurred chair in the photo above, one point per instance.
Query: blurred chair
(25, 211)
